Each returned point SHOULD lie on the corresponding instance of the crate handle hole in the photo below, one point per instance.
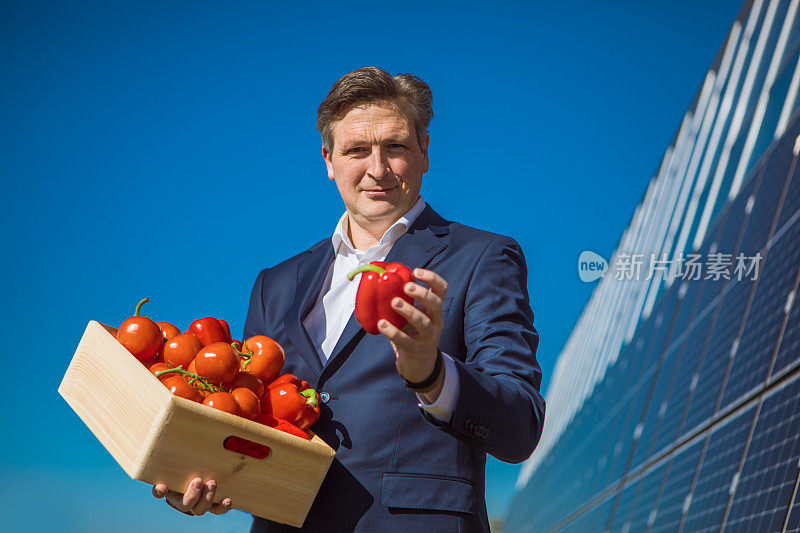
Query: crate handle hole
(247, 447)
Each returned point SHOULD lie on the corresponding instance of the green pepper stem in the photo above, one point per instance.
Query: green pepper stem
(139, 307)
(365, 268)
(312, 397)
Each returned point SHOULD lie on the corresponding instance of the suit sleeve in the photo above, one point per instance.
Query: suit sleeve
(255, 323)
(499, 409)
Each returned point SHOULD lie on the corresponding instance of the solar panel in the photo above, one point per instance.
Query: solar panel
(601, 516)
(682, 383)
(791, 200)
(640, 356)
(718, 473)
(728, 323)
(642, 507)
(629, 432)
(770, 469)
(717, 357)
(793, 525)
(663, 441)
(768, 197)
(622, 507)
(789, 351)
(610, 448)
(669, 509)
(639, 390)
(765, 319)
(592, 520)
(580, 524)
(667, 309)
(722, 345)
(652, 423)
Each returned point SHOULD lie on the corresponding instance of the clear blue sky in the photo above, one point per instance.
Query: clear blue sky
(168, 149)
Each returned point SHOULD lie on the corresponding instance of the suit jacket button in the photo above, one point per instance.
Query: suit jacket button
(468, 424)
(324, 397)
(481, 432)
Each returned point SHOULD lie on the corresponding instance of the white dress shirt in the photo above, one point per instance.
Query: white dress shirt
(337, 300)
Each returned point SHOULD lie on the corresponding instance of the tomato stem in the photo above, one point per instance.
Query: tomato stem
(139, 307)
(247, 356)
(194, 378)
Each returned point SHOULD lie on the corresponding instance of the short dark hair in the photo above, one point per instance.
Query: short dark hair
(371, 84)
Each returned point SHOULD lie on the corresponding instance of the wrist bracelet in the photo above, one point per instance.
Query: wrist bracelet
(427, 384)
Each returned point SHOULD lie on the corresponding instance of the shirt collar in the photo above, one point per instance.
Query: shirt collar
(389, 237)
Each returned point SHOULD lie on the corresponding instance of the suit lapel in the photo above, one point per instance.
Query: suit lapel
(426, 238)
(310, 276)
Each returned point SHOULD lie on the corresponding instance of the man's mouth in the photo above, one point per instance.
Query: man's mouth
(378, 191)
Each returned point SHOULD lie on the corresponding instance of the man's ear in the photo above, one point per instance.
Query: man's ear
(326, 155)
(424, 147)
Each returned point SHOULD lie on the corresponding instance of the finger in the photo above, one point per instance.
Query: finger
(159, 490)
(401, 341)
(434, 280)
(206, 498)
(431, 302)
(222, 507)
(419, 320)
(192, 495)
(175, 500)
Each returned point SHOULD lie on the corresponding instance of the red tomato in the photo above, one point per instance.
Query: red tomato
(249, 405)
(179, 387)
(140, 336)
(192, 368)
(224, 401)
(218, 362)
(168, 330)
(158, 367)
(151, 362)
(181, 350)
(248, 381)
(267, 359)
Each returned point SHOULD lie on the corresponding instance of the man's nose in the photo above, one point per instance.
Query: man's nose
(378, 164)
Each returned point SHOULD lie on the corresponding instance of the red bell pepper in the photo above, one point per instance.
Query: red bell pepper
(292, 400)
(284, 426)
(380, 283)
(226, 329)
(210, 330)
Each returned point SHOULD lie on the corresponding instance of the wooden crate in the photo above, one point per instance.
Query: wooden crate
(157, 437)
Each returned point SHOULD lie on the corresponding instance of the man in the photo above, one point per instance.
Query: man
(411, 412)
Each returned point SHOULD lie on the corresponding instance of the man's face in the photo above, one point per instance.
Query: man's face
(376, 162)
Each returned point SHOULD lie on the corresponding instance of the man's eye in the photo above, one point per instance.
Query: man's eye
(397, 146)
(356, 150)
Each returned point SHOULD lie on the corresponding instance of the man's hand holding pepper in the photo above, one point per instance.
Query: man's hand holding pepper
(416, 346)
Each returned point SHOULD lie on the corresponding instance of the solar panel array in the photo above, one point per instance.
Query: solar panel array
(692, 422)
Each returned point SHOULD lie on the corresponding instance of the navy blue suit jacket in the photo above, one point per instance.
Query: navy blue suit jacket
(396, 467)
